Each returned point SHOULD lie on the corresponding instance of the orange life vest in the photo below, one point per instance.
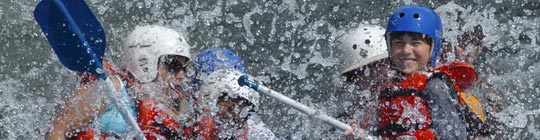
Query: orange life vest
(402, 110)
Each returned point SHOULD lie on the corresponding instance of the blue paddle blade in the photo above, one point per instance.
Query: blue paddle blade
(75, 34)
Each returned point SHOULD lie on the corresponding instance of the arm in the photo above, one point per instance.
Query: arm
(447, 120)
(468, 48)
(79, 110)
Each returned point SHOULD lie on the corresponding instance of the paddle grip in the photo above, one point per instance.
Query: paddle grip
(244, 81)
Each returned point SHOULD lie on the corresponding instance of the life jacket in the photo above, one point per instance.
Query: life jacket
(154, 122)
(206, 128)
(85, 77)
(403, 111)
(88, 134)
(464, 77)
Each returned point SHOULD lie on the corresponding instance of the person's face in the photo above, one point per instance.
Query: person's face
(408, 54)
(229, 112)
(172, 69)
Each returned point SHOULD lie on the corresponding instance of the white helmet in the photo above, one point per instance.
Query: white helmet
(225, 81)
(362, 46)
(146, 44)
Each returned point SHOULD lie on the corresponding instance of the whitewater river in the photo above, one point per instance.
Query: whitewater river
(289, 45)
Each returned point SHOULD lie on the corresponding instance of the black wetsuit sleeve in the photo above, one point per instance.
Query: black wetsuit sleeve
(447, 119)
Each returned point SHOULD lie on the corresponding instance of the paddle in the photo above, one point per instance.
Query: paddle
(78, 39)
(244, 81)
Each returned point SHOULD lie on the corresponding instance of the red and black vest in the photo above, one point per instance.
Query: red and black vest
(403, 112)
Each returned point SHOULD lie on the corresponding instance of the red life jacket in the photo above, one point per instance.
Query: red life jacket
(402, 110)
(152, 120)
(88, 134)
(206, 128)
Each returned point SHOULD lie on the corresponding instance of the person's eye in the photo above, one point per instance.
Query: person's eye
(398, 43)
(416, 43)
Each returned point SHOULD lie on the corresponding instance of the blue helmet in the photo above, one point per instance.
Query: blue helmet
(418, 19)
(214, 59)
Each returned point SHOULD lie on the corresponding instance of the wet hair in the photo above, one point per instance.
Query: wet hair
(413, 35)
(244, 102)
(172, 63)
(238, 99)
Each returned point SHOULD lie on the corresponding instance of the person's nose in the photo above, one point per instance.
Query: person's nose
(179, 75)
(408, 48)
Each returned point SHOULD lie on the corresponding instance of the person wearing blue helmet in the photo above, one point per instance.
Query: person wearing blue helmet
(226, 110)
(424, 95)
(213, 59)
(420, 99)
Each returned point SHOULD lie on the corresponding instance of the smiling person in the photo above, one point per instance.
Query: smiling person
(365, 64)
(154, 63)
(420, 100)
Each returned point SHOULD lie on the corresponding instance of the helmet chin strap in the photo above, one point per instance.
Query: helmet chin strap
(165, 82)
(171, 85)
(431, 47)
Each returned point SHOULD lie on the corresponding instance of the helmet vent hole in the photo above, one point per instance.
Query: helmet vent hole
(145, 69)
(143, 60)
(367, 41)
(415, 15)
(401, 15)
(354, 46)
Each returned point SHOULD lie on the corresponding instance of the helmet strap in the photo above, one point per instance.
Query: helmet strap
(432, 46)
